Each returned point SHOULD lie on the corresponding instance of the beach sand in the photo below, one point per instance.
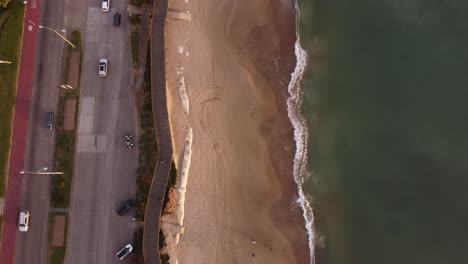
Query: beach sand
(237, 58)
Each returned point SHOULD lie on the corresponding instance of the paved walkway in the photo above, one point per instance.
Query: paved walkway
(20, 124)
(163, 136)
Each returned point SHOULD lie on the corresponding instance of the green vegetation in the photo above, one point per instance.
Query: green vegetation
(56, 255)
(171, 182)
(137, 2)
(61, 184)
(11, 30)
(135, 19)
(137, 254)
(165, 258)
(4, 3)
(162, 240)
(148, 145)
(135, 39)
(65, 148)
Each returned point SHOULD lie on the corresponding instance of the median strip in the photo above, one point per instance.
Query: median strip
(65, 148)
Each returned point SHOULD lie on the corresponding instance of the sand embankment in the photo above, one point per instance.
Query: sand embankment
(236, 61)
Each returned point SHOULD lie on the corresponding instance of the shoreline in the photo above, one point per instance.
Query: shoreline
(238, 111)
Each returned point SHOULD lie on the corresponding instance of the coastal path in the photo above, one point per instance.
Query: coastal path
(163, 135)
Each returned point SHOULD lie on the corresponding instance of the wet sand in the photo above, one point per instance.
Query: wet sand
(237, 58)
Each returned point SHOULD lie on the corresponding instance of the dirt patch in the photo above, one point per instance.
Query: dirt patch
(140, 98)
(69, 114)
(74, 69)
(58, 230)
(170, 206)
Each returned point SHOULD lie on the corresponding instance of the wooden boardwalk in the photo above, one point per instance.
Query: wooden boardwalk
(163, 135)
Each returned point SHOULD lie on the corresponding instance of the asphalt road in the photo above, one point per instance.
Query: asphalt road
(105, 171)
(31, 246)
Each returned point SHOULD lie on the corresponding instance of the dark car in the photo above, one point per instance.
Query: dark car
(49, 121)
(125, 207)
(117, 17)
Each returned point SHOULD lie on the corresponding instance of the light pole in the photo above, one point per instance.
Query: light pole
(5, 62)
(41, 171)
(60, 35)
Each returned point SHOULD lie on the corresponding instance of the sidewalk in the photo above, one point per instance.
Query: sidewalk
(20, 124)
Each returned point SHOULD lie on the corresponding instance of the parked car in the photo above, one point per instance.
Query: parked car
(117, 18)
(49, 121)
(105, 5)
(125, 207)
(23, 220)
(124, 252)
(103, 67)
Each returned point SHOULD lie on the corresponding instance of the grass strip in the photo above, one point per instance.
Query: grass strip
(147, 145)
(137, 254)
(147, 159)
(66, 140)
(135, 40)
(56, 255)
(11, 30)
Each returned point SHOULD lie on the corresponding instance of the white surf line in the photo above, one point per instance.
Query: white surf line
(301, 136)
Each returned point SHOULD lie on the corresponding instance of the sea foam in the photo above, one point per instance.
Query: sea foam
(301, 135)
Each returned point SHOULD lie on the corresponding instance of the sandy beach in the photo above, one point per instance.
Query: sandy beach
(236, 58)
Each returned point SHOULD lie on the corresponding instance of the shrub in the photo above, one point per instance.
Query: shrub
(162, 240)
(165, 258)
(135, 19)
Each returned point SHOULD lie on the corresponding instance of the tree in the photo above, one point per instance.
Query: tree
(4, 3)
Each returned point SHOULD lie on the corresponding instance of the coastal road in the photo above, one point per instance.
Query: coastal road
(105, 172)
(163, 134)
(35, 195)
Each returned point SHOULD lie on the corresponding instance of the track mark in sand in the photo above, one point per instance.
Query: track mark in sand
(207, 116)
(217, 147)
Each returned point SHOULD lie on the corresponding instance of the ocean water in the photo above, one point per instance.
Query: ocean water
(382, 131)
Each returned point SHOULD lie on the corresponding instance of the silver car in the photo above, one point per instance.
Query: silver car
(103, 67)
(105, 5)
(23, 220)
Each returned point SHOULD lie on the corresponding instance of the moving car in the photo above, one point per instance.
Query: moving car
(105, 5)
(49, 121)
(103, 67)
(124, 252)
(117, 18)
(23, 220)
(125, 207)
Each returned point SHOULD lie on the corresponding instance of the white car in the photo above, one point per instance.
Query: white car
(23, 220)
(105, 5)
(124, 252)
(103, 67)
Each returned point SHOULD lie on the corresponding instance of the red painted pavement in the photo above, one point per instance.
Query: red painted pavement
(20, 125)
